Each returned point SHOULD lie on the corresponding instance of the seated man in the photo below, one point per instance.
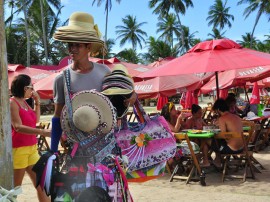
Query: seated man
(227, 122)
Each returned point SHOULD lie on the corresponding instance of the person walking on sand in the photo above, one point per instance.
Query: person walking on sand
(83, 39)
(24, 131)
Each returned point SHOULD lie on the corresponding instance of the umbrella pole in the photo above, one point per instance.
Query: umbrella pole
(217, 87)
(246, 93)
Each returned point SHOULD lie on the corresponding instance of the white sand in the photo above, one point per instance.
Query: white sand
(162, 190)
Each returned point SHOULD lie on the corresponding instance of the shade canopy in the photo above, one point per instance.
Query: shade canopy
(35, 74)
(170, 85)
(133, 69)
(211, 56)
(44, 87)
(237, 77)
(161, 61)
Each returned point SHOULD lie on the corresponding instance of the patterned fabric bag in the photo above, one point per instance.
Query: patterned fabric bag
(148, 143)
(146, 174)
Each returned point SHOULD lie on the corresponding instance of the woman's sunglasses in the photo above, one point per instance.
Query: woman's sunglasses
(30, 87)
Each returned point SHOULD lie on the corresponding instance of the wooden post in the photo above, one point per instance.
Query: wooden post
(6, 162)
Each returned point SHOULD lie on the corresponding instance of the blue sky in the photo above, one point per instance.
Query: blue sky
(195, 18)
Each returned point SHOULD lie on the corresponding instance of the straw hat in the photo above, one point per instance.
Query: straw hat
(118, 86)
(91, 111)
(81, 29)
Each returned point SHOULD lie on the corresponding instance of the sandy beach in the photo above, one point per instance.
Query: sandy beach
(161, 190)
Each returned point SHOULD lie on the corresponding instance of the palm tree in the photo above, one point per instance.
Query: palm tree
(37, 30)
(158, 49)
(42, 3)
(131, 31)
(129, 55)
(11, 4)
(109, 45)
(216, 34)
(169, 27)
(246, 39)
(219, 15)
(108, 5)
(162, 8)
(263, 7)
(189, 40)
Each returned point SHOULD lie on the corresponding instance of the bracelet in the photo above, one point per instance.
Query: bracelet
(37, 102)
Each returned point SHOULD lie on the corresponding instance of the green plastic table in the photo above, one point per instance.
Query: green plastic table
(201, 135)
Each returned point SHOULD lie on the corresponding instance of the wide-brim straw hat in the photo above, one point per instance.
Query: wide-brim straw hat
(91, 110)
(118, 86)
(81, 29)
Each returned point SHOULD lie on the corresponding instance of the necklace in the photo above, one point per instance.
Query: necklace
(22, 104)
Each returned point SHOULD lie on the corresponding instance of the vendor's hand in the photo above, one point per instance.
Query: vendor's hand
(130, 101)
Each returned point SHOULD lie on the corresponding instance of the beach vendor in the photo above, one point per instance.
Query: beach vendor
(81, 110)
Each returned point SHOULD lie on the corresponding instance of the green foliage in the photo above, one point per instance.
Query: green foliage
(219, 16)
(131, 32)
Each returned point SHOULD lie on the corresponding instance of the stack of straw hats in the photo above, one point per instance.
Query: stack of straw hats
(81, 29)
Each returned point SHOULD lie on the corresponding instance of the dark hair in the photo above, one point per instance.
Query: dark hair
(195, 108)
(18, 84)
(93, 194)
(165, 112)
(220, 104)
(230, 99)
(231, 95)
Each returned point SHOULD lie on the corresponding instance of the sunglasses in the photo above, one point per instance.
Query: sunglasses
(30, 87)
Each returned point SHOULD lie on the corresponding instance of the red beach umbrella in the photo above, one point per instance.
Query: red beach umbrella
(35, 74)
(255, 97)
(223, 93)
(188, 100)
(211, 56)
(161, 102)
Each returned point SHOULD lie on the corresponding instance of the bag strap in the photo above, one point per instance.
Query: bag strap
(67, 92)
(140, 113)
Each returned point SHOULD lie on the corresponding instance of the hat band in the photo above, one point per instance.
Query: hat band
(83, 24)
(87, 25)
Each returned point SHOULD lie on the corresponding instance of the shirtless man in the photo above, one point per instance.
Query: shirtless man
(227, 122)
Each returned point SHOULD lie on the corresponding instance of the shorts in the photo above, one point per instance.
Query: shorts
(25, 156)
(223, 148)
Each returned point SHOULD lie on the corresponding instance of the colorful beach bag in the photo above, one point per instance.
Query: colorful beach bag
(147, 144)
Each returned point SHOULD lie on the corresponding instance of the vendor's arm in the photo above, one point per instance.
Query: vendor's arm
(56, 127)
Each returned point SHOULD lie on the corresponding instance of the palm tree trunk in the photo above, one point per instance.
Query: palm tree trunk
(6, 163)
(27, 34)
(106, 25)
(182, 30)
(253, 30)
(44, 31)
